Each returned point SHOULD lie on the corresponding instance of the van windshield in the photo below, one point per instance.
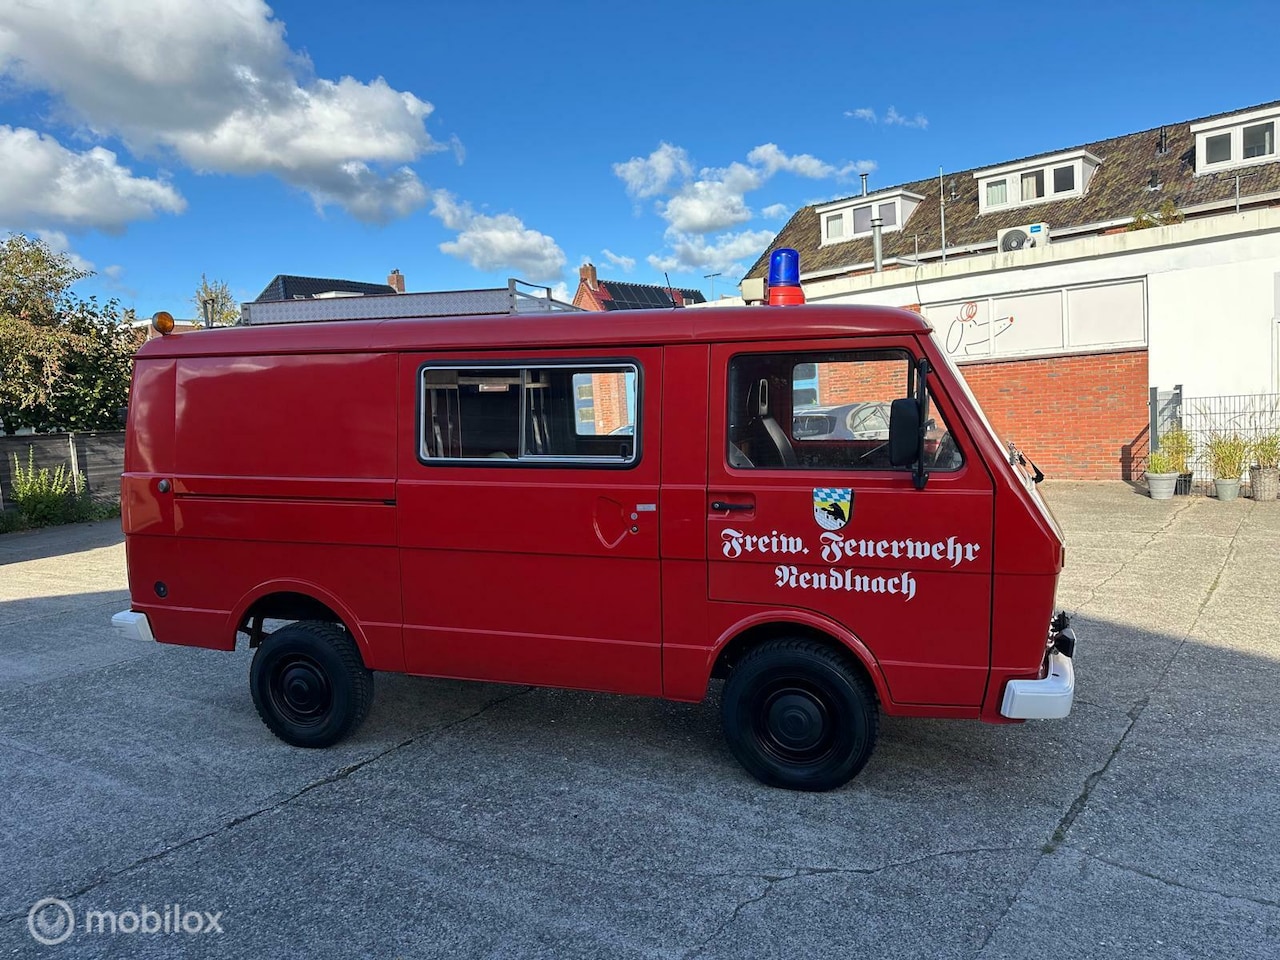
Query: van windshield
(1017, 470)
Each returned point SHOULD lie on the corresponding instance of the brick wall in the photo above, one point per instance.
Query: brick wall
(609, 391)
(1079, 417)
(850, 381)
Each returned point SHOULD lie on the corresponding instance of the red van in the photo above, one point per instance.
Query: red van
(807, 503)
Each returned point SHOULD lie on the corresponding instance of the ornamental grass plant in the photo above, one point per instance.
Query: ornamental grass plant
(1227, 453)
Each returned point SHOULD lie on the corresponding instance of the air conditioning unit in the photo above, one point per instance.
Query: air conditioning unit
(1020, 238)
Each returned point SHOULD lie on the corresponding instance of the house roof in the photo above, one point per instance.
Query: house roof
(617, 295)
(287, 287)
(1118, 190)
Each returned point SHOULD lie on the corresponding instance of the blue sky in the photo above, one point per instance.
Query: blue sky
(464, 143)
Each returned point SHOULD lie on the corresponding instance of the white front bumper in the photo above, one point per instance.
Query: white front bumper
(135, 626)
(1047, 699)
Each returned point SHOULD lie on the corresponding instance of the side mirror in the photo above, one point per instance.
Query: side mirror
(904, 431)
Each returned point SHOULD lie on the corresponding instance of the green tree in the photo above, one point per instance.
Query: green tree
(96, 366)
(226, 310)
(34, 278)
(64, 362)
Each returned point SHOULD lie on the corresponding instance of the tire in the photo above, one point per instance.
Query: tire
(800, 715)
(309, 684)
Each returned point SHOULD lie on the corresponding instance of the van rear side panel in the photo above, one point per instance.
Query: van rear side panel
(281, 477)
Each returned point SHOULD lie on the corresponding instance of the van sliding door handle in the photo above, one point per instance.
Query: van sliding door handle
(722, 505)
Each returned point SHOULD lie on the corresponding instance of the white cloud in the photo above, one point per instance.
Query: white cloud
(626, 264)
(651, 175)
(772, 159)
(775, 211)
(113, 272)
(891, 118)
(500, 242)
(725, 254)
(716, 201)
(894, 118)
(44, 182)
(217, 84)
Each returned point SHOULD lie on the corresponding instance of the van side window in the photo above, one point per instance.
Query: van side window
(823, 411)
(570, 413)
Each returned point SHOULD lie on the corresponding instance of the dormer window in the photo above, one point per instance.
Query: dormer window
(1259, 140)
(1241, 140)
(851, 218)
(1028, 182)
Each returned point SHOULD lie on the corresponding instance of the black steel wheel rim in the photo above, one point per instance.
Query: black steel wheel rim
(300, 691)
(794, 722)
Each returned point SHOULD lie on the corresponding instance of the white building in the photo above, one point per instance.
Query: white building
(1061, 313)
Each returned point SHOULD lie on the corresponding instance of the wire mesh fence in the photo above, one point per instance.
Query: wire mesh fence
(1249, 416)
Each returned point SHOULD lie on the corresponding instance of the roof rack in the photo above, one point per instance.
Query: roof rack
(445, 303)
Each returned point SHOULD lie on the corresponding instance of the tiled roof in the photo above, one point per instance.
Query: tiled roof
(286, 287)
(642, 296)
(617, 295)
(1118, 190)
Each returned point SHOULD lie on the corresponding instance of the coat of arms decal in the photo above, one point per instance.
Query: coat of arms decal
(832, 507)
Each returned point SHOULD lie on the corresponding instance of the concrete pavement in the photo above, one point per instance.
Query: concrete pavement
(473, 820)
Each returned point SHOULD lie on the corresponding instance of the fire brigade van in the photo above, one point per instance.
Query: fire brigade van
(804, 502)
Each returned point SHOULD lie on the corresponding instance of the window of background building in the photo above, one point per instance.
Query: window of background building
(1033, 185)
(1217, 149)
(1259, 140)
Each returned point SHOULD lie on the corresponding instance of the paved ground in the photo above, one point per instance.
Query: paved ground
(473, 820)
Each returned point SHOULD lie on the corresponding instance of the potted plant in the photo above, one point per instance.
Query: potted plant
(1161, 476)
(1264, 472)
(1181, 448)
(1227, 454)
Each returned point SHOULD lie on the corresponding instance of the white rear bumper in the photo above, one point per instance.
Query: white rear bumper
(135, 626)
(1047, 699)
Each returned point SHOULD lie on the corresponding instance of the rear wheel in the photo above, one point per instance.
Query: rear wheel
(799, 714)
(309, 684)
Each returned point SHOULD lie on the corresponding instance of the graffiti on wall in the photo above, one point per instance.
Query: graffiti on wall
(972, 330)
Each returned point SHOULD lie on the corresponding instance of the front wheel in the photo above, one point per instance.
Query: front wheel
(309, 684)
(799, 714)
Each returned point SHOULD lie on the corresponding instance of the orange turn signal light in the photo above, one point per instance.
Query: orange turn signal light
(162, 320)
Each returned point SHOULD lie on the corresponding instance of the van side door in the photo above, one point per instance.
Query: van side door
(527, 512)
(805, 512)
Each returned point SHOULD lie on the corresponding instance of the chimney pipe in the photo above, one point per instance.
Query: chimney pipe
(395, 280)
(1162, 147)
(587, 274)
(877, 225)
(864, 183)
